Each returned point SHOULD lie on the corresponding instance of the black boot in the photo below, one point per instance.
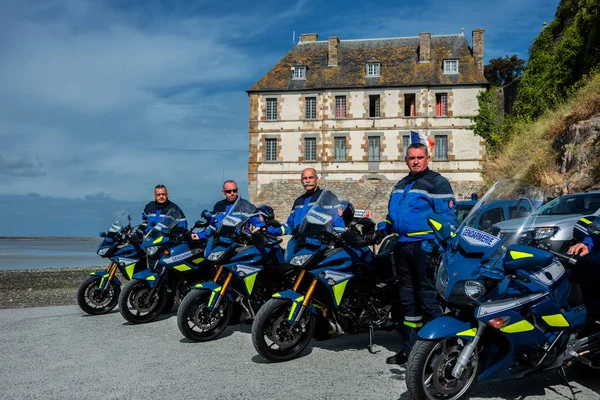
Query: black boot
(400, 358)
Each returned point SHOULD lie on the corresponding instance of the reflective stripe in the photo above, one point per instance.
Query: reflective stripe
(418, 233)
(557, 320)
(397, 191)
(585, 220)
(433, 196)
(413, 325)
(469, 332)
(387, 221)
(519, 254)
(413, 319)
(518, 327)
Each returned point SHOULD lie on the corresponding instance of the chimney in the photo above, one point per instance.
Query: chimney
(308, 37)
(424, 47)
(478, 48)
(334, 44)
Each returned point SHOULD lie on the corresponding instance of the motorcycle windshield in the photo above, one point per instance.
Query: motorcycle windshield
(508, 206)
(164, 226)
(122, 220)
(235, 219)
(318, 219)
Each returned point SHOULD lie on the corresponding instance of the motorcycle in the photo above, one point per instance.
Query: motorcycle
(250, 270)
(337, 289)
(175, 263)
(99, 292)
(512, 310)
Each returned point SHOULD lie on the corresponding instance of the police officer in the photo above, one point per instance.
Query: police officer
(303, 203)
(587, 270)
(230, 191)
(157, 209)
(422, 191)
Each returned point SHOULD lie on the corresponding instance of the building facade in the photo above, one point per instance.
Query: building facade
(346, 108)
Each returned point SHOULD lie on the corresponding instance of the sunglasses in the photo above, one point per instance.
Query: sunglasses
(230, 191)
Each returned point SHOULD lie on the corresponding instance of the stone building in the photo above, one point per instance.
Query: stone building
(346, 107)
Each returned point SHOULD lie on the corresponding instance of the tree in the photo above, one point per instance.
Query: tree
(503, 70)
(488, 122)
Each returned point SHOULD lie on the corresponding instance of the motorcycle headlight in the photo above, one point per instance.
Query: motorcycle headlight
(103, 251)
(300, 260)
(214, 256)
(475, 289)
(465, 292)
(151, 250)
(441, 279)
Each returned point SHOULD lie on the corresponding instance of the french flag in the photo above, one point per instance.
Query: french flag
(417, 137)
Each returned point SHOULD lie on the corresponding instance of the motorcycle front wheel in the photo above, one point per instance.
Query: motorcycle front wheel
(135, 303)
(272, 335)
(429, 371)
(197, 322)
(94, 301)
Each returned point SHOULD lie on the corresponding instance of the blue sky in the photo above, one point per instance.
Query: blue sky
(102, 100)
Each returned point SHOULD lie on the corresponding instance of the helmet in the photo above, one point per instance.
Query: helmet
(348, 213)
(266, 212)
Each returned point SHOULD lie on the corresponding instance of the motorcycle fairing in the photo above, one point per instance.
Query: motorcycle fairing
(147, 275)
(103, 274)
(296, 299)
(448, 326)
(245, 273)
(334, 280)
(216, 292)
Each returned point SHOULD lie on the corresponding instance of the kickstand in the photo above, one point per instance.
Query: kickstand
(563, 375)
(371, 333)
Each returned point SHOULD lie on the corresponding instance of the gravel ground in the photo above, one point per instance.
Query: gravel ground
(60, 353)
(41, 287)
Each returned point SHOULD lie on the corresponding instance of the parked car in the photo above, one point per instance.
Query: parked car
(497, 211)
(463, 208)
(554, 222)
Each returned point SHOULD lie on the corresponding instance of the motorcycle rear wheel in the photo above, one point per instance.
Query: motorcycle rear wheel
(196, 322)
(94, 301)
(271, 335)
(429, 367)
(135, 294)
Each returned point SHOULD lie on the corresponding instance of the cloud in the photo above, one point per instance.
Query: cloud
(21, 166)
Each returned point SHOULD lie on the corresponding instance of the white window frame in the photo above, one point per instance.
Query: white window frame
(299, 73)
(271, 149)
(338, 105)
(373, 69)
(307, 149)
(271, 113)
(310, 113)
(405, 144)
(451, 67)
(438, 153)
(337, 156)
(372, 154)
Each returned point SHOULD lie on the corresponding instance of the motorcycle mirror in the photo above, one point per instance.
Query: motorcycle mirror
(441, 226)
(129, 218)
(200, 224)
(206, 215)
(594, 227)
(102, 234)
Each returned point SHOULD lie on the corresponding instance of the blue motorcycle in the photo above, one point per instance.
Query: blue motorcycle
(337, 289)
(175, 264)
(513, 310)
(251, 269)
(99, 292)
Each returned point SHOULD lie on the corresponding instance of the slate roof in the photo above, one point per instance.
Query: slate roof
(399, 58)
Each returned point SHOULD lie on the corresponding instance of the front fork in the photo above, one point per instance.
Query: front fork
(307, 297)
(467, 352)
(111, 269)
(223, 288)
(161, 278)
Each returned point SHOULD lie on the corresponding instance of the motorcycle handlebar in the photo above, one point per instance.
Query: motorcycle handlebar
(563, 257)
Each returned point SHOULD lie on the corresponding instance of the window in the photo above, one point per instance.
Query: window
(271, 149)
(373, 69)
(374, 102)
(339, 149)
(340, 106)
(451, 66)
(441, 147)
(271, 109)
(373, 148)
(490, 218)
(405, 144)
(310, 149)
(311, 108)
(409, 105)
(441, 104)
(299, 73)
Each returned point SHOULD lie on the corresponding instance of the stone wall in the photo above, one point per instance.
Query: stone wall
(372, 195)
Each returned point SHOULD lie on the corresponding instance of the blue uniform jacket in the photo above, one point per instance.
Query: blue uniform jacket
(592, 242)
(154, 212)
(300, 209)
(411, 200)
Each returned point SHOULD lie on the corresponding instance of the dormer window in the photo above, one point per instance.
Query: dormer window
(299, 72)
(373, 69)
(450, 66)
